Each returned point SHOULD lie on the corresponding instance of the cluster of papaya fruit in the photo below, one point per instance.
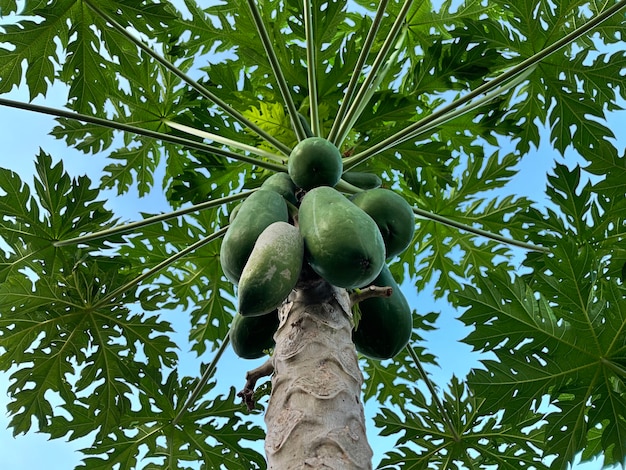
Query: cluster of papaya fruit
(346, 241)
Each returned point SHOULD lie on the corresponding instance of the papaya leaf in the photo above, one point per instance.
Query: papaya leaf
(58, 209)
(194, 283)
(53, 329)
(472, 437)
(211, 433)
(570, 349)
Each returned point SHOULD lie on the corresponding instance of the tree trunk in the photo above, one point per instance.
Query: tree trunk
(315, 417)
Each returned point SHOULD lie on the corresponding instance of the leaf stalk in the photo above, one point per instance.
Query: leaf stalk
(278, 73)
(163, 264)
(368, 87)
(143, 132)
(433, 393)
(190, 81)
(358, 68)
(153, 220)
(208, 373)
(226, 141)
(476, 231)
(492, 84)
(311, 52)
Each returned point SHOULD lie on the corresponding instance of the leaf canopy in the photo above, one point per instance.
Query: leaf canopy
(82, 333)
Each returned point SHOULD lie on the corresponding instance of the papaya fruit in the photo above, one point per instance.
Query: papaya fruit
(306, 125)
(342, 243)
(315, 162)
(250, 337)
(386, 323)
(283, 185)
(362, 180)
(260, 209)
(393, 215)
(233, 213)
(272, 269)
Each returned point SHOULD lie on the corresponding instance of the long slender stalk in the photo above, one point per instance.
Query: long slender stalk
(433, 393)
(129, 285)
(191, 82)
(374, 86)
(476, 231)
(402, 135)
(225, 141)
(143, 132)
(153, 220)
(366, 90)
(358, 68)
(278, 73)
(311, 53)
(208, 373)
(357, 159)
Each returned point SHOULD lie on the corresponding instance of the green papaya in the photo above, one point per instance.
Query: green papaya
(305, 124)
(233, 213)
(342, 243)
(282, 184)
(272, 269)
(260, 209)
(362, 180)
(386, 323)
(393, 215)
(250, 337)
(315, 162)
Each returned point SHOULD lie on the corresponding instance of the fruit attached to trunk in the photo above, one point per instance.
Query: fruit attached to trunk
(342, 243)
(386, 323)
(259, 210)
(315, 162)
(272, 269)
(393, 215)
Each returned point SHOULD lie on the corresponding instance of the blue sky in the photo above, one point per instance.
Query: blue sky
(23, 133)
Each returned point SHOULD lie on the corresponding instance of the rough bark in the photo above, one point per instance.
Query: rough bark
(315, 417)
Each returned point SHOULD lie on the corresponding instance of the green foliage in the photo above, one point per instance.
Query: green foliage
(82, 335)
(457, 433)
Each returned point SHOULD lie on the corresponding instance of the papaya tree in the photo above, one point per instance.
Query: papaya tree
(321, 160)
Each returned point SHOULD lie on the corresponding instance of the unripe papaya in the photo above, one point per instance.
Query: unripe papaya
(342, 243)
(251, 336)
(386, 323)
(283, 185)
(305, 124)
(259, 210)
(393, 215)
(315, 162)
(362, 180)
(272, 269)
(233, 213)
